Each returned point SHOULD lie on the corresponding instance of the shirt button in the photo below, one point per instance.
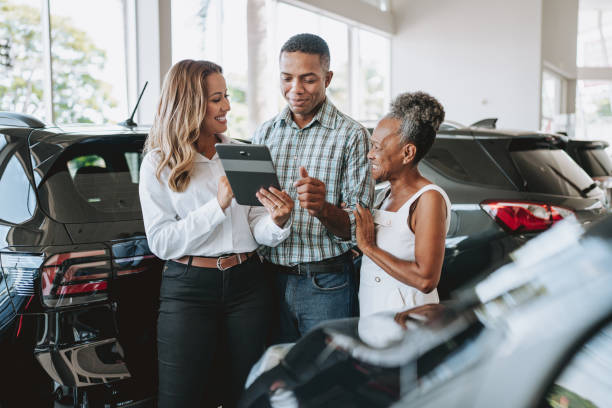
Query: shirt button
(377, 279)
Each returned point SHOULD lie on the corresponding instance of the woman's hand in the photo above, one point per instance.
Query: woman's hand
(278, 203)
(224, 193)
(365, 231)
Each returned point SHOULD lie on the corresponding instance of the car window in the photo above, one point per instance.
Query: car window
(551, 171)
(465, 160)
(586, 380)
(14, 184)
(94, 182)
(595, 162)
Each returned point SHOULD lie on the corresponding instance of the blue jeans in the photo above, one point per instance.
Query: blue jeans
(313, 297)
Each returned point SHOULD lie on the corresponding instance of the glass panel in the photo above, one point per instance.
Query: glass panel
(551, 100)
(94, 182)
(21, 82)
(373, 93)
(196, 30)
(550, 171)
(235, 63)
(89, 80)
(335, 34)
(593, 110)
(215, 30)
(595, 36)
(293, 20)
(14, 183)
(464, 160)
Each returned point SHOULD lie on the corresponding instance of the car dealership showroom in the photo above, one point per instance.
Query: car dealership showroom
(423, 190)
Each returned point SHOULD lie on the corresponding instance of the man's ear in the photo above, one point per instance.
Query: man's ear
(409, 152)
(328, 78)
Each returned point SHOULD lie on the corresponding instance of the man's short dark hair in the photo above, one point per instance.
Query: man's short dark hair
(308, 44)
(420, 117)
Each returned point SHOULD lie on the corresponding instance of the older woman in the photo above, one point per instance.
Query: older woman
(403, 241)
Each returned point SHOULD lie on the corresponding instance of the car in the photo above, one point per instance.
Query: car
(536, 332)
(505, 187)
(79, 287)
(592, 156)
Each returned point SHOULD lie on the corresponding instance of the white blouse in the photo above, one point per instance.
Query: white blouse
(192, 222)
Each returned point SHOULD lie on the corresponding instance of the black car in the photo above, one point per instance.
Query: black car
(505, 188)
(79, 286)
(536, 332)
(591, 155)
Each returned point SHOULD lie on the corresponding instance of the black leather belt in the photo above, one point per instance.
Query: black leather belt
(329, 265)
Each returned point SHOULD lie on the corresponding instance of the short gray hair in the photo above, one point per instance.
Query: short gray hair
(420, 116)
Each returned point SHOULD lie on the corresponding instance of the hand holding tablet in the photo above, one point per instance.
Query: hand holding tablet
(251, 174)
(278, 203)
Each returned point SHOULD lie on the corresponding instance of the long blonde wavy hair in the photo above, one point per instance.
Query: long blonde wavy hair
(179, 119)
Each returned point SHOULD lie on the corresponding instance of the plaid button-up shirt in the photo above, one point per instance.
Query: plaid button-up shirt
(333, 149)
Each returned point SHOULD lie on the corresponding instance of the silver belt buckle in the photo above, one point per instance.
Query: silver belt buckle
(219, 259)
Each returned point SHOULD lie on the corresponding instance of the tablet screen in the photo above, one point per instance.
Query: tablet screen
(248, 168)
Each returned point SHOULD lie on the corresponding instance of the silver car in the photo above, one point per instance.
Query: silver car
(537, 332)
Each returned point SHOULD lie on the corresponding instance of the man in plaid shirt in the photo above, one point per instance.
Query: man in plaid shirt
(320, 157)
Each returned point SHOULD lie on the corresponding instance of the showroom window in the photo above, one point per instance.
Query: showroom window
(217, 30)
(553, 93)
(87, 66)
(360, 59)
(594, 61)
(21, 71)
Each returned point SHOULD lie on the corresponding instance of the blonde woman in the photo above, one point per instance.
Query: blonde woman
(213, 294)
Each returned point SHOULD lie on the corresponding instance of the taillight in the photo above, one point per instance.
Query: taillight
(518, 216)
(72, 278)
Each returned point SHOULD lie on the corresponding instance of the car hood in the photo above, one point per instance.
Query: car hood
(394, 339)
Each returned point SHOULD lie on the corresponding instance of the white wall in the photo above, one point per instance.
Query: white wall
(480, 58)
(354, 10)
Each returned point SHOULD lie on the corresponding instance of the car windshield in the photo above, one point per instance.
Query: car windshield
(95, 181)
(551, 171)
(596, 162)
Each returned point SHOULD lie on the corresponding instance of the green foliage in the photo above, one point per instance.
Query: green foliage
(603, 108)
(77, 95)
(571, 399)
(237, 95)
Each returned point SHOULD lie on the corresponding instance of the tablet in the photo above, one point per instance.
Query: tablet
(248, 168)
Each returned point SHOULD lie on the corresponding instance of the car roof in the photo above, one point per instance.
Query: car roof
(75, 133)
(479, 132)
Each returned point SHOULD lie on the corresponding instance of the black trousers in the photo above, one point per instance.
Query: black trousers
(208, 315)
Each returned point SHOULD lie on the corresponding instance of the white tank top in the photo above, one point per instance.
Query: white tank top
(379, 291)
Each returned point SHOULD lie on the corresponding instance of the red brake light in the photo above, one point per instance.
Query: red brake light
(75, 277)
(517, 216)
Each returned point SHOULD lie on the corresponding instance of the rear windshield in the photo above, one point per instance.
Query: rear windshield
(595, 162)
(549, 170)
(95, 181)
(464, 160)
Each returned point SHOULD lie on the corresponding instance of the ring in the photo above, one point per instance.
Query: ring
(275, 207)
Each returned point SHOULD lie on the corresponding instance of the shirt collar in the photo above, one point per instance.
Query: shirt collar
(326, 116)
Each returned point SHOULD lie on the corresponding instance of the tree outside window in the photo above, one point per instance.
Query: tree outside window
(88, 86)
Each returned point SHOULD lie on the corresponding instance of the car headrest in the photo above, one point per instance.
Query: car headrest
(86, 178)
